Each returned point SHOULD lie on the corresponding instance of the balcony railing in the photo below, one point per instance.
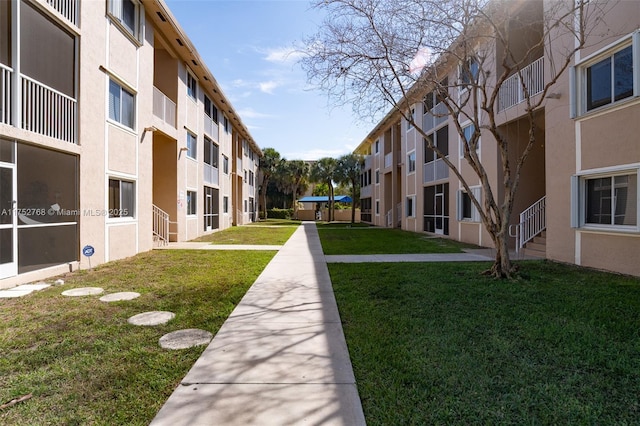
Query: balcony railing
(6, 75)
(67, 8)
(211, 128)
(210, 174)
(435, 170)
(48, 112)
(164, 108)
(512, 92)
(388, 160)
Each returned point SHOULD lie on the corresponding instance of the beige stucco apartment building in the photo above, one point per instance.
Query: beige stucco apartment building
(114, 134)
(578, 194)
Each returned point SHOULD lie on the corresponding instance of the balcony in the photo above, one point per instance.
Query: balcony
(210, 174)
(435, 170)
(6, 74)
(388, 160)
(512, 92)
(211, 128)
(164, 108)
(48, 112)
(67, 8)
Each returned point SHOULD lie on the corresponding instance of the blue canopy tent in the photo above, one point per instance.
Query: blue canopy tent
(325, 199)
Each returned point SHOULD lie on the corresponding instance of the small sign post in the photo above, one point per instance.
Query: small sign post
(88, 252)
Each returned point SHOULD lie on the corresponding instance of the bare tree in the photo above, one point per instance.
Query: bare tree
(389, 54)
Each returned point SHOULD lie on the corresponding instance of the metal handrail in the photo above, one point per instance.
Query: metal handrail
(533, 221)
(161, 225)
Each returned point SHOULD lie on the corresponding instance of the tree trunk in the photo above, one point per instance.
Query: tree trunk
(502, 266)
(353, 205)
(265, 182)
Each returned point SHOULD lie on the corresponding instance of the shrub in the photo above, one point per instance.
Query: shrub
(280, 213)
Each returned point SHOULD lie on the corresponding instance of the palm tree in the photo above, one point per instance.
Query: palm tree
(268, 166)
(348, 172)
(323, 171)
(298, 175)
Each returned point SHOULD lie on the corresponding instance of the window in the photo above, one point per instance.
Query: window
(192, 145)
(411, 162)
(611, 200)
(121, 105)
(377, 146)
(467, 211)
(378, 176)
(245, 176)
(410, 212)
(606, 200)
(225, 164)
(210, 109)
(468, 133)
(192, 86)
(227, 127)
(225, 204)
(440, 139)
(127, 14)
(413, 119)
(121, 198)
(251, 178)
(191, 202)
(469, 72)
(377, 207)
(245, 206)
(610, 79)
(434, 97)
(210, 152)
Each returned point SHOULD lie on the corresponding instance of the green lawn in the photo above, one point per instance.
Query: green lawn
(369, 240)
(252, 235)
(82, 361)
(276, 222)
(438, 343)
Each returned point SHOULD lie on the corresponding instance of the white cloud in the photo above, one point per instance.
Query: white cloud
(283, 54)
(268, 86)
(251, 113)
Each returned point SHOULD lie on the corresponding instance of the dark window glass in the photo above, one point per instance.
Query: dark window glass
(129, 16)
(623, 74)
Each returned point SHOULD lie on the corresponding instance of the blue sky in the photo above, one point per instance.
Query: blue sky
(248, 47)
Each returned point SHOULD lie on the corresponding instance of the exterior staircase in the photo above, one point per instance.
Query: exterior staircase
(537, 246)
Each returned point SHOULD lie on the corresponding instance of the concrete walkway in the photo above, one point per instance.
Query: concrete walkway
(280, 358)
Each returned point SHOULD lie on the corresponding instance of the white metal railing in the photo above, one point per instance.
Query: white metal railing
(163, 107)
(211, 128)
(160, 225)
(210, 174)
(388, 160)
(6, 94)
(389, 216)
(533, 221)
(48, 112)
(67, 8)
(511, 91)
(435, 170)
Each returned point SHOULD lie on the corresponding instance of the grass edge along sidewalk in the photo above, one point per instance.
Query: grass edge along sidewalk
(441, 344)
(82, 361)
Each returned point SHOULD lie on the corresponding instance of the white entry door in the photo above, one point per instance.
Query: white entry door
(8, 221)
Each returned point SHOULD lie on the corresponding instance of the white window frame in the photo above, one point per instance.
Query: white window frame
(225, 204)
(475, 214)
(579, 197)
(122, 90)
(192, 203)
(411, 159)
(192, 146)
(377, 176)
(578, 75)
(410, 212)
(466, 139)
(464, 85)
(192, 92)
(377, 207)
(115, 12)
(121, 212)
(225, 164)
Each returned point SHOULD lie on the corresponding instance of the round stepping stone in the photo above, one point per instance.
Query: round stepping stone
(82, 291)
(183, 339)
(114, 297)
(151, 318)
